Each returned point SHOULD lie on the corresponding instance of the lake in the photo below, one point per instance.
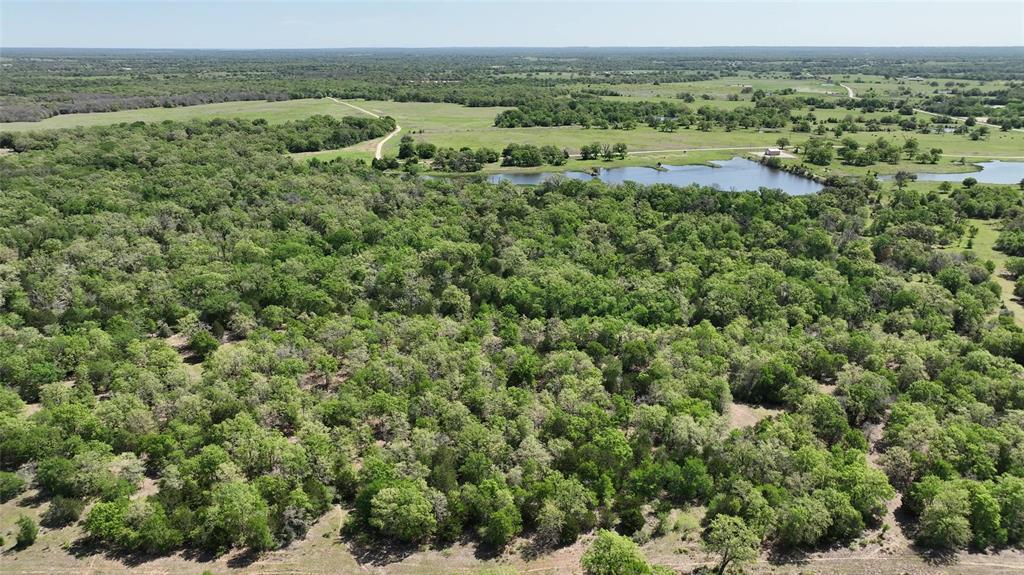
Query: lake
(734, 175)
(994, 172)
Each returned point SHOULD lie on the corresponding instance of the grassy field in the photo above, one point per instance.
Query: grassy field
(893, 87)
(453, 125)
(722, 88)
(275, 112)
(983, 246)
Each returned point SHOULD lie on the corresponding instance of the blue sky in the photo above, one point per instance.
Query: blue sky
(443, 23)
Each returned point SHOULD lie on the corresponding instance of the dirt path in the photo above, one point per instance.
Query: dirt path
(378, 153)
(982, 121)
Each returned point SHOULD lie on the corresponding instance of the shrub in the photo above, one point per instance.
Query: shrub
(613, 554)
(63, 511)
(27, 531)
(10, 486)
(203, 343)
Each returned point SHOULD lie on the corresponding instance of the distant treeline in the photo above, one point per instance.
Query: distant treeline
(37, 84)
(768, 112)
(33, 111)
(307, 135)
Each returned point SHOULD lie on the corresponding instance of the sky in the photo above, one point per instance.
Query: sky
(227, 24)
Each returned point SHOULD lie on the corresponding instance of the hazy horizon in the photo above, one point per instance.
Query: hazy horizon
(426, 24)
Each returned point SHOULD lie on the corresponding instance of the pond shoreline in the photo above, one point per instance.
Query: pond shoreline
(736, 174)
(996, 172)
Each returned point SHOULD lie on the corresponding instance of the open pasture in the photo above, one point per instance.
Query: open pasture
(274, 112)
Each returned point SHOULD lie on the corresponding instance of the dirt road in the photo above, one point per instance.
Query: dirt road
(379, 151)
(981, 121)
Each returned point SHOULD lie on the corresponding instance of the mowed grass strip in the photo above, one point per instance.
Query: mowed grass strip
(274, 112)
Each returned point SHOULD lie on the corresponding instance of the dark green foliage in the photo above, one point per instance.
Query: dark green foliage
(203, 343)
(818, 151)
(464, 160)
(27, 532)
(63, 511)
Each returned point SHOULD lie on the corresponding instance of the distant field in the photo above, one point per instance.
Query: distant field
(721, 88)
(893, 87)
(452, 125)
(273, 111)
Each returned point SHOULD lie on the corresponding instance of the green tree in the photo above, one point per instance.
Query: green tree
(237, 516)
(406, 147)
(902, 177)
(613, 554)
(944, 522)
(732, 540)
(910, 147)
(803, 522)
(1009, 492)
(403, 512)
(818, 151)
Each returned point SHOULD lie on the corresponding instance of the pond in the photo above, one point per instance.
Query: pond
(734, 175)
(994, 172)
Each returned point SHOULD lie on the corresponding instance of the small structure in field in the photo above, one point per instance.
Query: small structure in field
(772, 152)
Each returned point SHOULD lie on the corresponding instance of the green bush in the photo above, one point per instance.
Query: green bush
(613, 554)
(203, 343)
(27, 531)
(63, 511)
(10, 486)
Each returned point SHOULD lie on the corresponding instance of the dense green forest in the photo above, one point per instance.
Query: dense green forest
(260, 338)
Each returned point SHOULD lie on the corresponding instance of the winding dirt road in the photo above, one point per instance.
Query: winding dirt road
(981, 121)
(379, 152)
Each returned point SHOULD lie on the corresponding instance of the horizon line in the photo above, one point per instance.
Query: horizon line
(521, 47)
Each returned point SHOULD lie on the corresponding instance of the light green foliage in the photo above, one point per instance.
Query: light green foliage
(613, 554)
(944, 521)
(803, 522)
(10, 485)
(732, 540)
(402, 512)
(237, 516)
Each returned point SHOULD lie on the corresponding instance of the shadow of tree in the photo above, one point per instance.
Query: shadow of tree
(935, 557)
(84, 547)
(33, 499)
(484, 552)
(244, 559)
(536, 547)
(378, 552)
(780, 556)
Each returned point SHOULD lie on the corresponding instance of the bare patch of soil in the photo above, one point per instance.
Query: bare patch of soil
(745, 415)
